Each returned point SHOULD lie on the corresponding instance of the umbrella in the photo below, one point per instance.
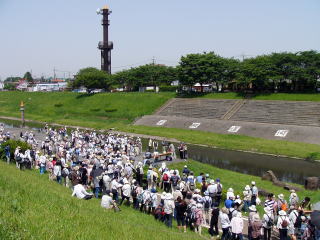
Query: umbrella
(315, 218)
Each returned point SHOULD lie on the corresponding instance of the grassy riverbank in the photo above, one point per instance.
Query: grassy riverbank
(31, 207)
(119, 110)
(238, 181)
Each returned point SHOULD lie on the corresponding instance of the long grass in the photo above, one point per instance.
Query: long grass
(31, 207)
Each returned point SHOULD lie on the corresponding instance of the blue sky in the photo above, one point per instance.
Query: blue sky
(39, 35)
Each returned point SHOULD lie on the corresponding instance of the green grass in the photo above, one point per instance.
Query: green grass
(238, 180)
(99, 110)
(31, 207)
(119, 110)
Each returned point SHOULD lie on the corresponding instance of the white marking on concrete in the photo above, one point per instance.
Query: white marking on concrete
(195, 125)
(234, 129)
(281, 133)
(161, 122)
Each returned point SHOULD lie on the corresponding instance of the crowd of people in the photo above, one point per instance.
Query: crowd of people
(109, 167)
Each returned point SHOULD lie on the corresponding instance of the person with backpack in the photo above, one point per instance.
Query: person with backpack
(198, 218)
(174, 180)
(293, 198)
(207, 204)
(283, 224)
(126, 192)
(252, 213)
(267, 222)
(256, 227)
(282, 203)
(183, 188)
(191, 182)
(218, 194)
(166, 181)
(254, 192)
(247, 194)
(64, 174)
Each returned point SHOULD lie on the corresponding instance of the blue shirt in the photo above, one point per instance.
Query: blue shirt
(199, 179)
(228, 203)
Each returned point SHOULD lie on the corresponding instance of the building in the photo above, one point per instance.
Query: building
(49, 87)
(1, 86)
(22, 85)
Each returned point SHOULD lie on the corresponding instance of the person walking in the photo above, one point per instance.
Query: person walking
(237, 227)
(213, 230)
(168, 209)
(267, 222)
(256, 228)
(283, 224)
(225, 223)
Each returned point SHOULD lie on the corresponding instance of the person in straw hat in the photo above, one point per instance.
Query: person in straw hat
(282, 203)
(247, 194)
(237, 226)
(252, 213)
(256, 227)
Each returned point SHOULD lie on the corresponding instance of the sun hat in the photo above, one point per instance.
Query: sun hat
(281, 196)
(197, 190)
(185, 166)
(292, 191)
(230, 190)
(224, 210)
(253, 183)
(212, 182)
(282, 213)
(247, 188)
(253, 208)
(206, 193)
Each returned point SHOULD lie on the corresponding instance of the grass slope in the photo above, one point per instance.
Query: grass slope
(31, 207)
(119, 110)
(238, 180)
(99, 110)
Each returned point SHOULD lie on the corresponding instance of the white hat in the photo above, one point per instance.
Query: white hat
(199, 205)
(253, 183)
(197, 190)
(281, 196)
(247, 188)
(253, 208)
(185, 166)
(282, 213)
(212, 182)
(230, 190)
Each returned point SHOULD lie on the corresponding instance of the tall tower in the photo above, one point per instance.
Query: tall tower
(105, 46)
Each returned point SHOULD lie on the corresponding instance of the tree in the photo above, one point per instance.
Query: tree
(28, 77)
(92, 78)
(9, 86)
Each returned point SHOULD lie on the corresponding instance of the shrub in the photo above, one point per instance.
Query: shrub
(58, 105)
(109, 110)
(168, 88)
(13, 145)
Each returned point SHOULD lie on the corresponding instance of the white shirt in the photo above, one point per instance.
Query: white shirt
(236, 225)
(106, 202)
(126, 190)
(79, 191)
(224, 219)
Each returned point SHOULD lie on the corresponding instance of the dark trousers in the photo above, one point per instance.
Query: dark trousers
(283, 234)
(123, 198)
(213, 230)
(237, 236)
(225, 234)
(168, 220)
(166, 186)
(266, 233)
(87, 197)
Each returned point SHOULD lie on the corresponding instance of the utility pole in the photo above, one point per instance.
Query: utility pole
(153, 61)
(54, 73)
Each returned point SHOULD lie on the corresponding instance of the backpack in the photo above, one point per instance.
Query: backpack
(284, 223)
(191, 215)
(175, 180)
(165, 177)
(270, 222)
(134, 193)
(206, 204)
(140, 198)
(219, 189)
(191, 186)
(230, 214)
(283, 206)
(65, 172)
